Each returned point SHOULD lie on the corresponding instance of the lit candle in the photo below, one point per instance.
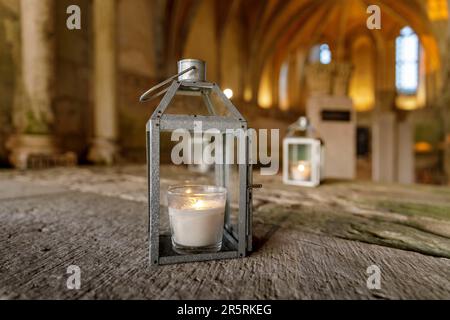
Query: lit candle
(301, 171)
(196, 218)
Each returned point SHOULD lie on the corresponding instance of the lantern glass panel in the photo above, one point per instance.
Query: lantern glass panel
(219, 106)
(300, 162)
(226, 175)
(203, 102)
(188, 102)
(231, 181)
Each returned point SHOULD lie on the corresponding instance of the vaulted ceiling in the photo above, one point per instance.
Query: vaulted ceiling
(273, 28)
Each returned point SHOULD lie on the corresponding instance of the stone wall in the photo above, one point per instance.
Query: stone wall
(9, 68)
(133, 115)
(137, 73)
(146, 32)
(73, 93)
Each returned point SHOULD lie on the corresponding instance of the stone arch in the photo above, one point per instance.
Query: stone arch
(136, 53)
(362, 85)
(176, 19)
(265, 92)
(283, 27)
(232, 58)
(201, 41)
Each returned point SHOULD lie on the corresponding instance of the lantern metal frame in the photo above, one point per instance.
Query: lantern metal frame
(236, 243)
(315, 160)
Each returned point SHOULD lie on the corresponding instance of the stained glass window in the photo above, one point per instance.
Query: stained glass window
(320, 53)
(407, 61)
(325, 54)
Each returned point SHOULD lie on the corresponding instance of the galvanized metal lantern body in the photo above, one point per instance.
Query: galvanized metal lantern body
(302, 156)
(237, 234)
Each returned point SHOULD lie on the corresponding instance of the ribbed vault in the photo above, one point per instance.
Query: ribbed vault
(271, 30)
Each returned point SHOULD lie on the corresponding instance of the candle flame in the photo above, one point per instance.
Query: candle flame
(199, 204)
(301, 167)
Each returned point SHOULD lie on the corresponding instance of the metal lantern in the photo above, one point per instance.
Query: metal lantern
(236, 239)
(302, 156)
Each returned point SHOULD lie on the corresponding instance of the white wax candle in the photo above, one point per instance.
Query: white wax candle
(301, 171)
(199, 224)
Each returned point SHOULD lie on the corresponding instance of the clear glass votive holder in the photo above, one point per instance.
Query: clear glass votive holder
(196, 215)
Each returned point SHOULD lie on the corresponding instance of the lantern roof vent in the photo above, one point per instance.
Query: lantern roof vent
(198, 73)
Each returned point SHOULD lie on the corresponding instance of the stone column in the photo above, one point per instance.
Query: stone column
(384, 139)
(33, 115)
(384, 127)
(104, 149)
(293, 84)
(445, 103)
(405, 159)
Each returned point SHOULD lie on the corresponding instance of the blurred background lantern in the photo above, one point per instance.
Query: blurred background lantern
(303, 155)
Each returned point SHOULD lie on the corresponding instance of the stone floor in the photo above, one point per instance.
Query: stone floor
(310, 243)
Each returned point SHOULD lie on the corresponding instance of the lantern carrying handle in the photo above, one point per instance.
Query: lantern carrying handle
(149, 94)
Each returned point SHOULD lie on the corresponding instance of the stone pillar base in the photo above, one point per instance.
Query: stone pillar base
(384, 146)
(103, 151)
(22, 146)
(405, 153)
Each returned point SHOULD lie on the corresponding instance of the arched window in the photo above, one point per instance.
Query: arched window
(325, 54)
(283, 86)
(321, 53)
(407, 62)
